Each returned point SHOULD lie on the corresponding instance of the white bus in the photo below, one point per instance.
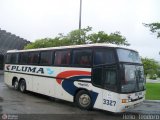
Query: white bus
(100, 76)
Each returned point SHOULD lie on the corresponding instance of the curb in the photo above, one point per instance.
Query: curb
(152, 101)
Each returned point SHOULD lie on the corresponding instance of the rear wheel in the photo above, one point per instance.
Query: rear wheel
(15, 84)
(83, 100)
(22, 86)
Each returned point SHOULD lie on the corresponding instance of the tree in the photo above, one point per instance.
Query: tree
(77, 37)
(48, 42)
(154, 28)
(151, 67)
(102, 37)
(158, 71)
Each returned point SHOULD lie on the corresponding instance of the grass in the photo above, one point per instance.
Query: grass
(152, 91)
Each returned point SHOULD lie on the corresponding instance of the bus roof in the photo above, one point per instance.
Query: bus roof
(71, 46)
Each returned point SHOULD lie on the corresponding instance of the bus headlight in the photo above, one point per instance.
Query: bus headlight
(124, 100)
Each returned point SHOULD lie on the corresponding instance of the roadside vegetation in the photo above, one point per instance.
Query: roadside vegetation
(151, 68)
(153, 91)
(77, 37)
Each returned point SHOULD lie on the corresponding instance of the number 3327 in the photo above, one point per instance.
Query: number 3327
(109, 102)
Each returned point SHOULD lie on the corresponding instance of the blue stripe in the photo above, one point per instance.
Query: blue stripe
(68, 86)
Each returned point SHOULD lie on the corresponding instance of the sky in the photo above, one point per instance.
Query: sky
(36, 19)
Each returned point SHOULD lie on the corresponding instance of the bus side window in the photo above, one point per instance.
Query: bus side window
(23, 58)
(110, 78)
(82, 57)
(8, 58)
(104, 56)
(97, 77)
(46, 58)
(33, 58)
(13, 58)
(62, 57)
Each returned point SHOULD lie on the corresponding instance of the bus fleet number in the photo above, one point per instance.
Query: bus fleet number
(109, 102)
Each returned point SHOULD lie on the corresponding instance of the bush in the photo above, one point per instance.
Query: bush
(154, 76)
(158, 73)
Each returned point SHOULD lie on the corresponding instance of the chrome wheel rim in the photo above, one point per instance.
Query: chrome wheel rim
(22, 87)
(84, 100)
(16, 85)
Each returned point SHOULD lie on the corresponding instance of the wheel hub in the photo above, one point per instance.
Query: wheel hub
(84, 100)
(16, 85)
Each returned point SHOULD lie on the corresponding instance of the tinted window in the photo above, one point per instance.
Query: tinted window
(8, 58)
(105, 78)
(62, 58)
(110, 77)
(46, 58)
(104, 56)
(97, 77)
(12, 58)
(82, 57)
(33, 58)
(1, 61)
(23, 58)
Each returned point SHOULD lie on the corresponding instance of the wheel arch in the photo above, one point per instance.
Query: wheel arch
(21, 80)
(14, 79)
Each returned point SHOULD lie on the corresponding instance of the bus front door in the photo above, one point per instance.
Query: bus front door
(109, 88)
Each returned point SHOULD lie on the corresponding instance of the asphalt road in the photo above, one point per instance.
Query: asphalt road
(16, 105)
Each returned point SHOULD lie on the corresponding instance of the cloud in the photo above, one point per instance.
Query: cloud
(35, 19)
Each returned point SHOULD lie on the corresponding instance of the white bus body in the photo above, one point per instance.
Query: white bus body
(65, 82)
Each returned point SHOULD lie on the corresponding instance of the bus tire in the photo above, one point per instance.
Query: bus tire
(83, 100)
(22, 86)
(15, 84)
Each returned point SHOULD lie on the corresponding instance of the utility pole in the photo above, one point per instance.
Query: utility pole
(80, 12)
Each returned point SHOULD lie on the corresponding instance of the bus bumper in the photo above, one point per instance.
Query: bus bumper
(124, 107)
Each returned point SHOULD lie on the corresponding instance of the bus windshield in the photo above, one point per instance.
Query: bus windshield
(134, 78)
(125, 55)
(133, 74)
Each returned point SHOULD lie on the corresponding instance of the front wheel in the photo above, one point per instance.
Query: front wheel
(22, 86)
(83, 100)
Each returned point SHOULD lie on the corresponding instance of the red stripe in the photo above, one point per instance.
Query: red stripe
(70, 73)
